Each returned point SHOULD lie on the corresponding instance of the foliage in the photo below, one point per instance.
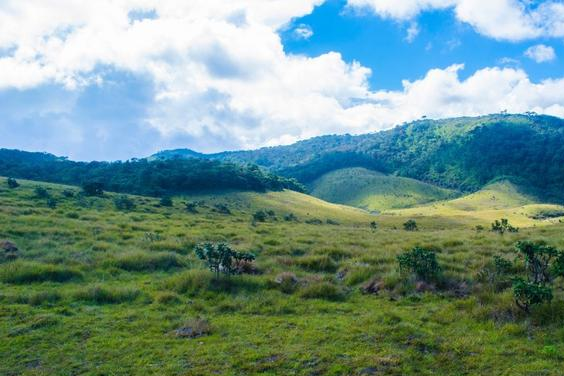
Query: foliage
(166, 201)
(374, 225)
(221, 258)
(92, 189)
(529, 293)
(502, 266)
(156, 178)
(122, 202)
(537, 257)
(191, 207)
(503, 226)
(41, 192)
(420, 261)
(51, 203)
(12, 183)
(410, 225)
(260, 216)
(222, 209)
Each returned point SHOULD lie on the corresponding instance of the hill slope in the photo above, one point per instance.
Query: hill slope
(501, 199)
(374, 191)
(462, 153)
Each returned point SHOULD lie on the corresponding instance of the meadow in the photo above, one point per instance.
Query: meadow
(97, 290)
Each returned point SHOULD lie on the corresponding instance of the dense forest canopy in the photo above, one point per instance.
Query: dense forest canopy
(462, 153)
(145, 177)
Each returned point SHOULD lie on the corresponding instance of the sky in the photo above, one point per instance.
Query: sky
(118, 79)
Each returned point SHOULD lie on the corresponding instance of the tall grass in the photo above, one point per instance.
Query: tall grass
(21, 272)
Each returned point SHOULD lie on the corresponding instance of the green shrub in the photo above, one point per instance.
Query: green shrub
(12, 183)
(51, 203)
(291, 217)
(221, 258)
(221, 209)
(41, 192)
(166, 201)
(73, 215)
(528, 293)
(107, 295)
(68, 193)
(537, 257)
(92, 189)
(410, 225)
(123, 202)
(322, 290)
(321, 263)
(191, 207)
(503, 226)
(502, 266)
(144, 261)
(30, 272)
(260, 216)
(420, 261)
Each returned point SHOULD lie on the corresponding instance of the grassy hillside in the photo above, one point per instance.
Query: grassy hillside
(101, 291)
(502, 199)
(460, 153)
(374, 191)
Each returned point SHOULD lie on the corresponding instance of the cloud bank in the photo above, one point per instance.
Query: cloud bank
(216, 76)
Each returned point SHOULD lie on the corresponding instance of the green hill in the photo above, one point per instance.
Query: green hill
(501, 199)
(463, 154)
(374, 191)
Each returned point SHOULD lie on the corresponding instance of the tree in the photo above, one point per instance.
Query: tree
(374, 225)
(93, 189)
(410, 225)
(12, 183)
(221, 258)
(420, 261)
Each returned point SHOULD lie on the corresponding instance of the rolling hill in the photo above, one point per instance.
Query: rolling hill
(501, 199)
(463, 154)
(374, 191)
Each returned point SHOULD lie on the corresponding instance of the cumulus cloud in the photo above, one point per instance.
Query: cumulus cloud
(541, 53)
(303, 31)
(512, 20)
(217, 77)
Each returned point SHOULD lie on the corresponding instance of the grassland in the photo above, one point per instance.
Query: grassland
(374, 191)
(501, 199)
(98, 291)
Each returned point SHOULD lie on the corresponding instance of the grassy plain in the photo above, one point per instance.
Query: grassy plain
(98, 291)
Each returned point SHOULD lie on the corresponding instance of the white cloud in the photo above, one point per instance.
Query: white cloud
(221, 74)
(303, 31)
(500, 19)
(412, 32)
(541, 53)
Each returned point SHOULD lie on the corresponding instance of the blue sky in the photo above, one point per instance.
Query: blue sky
(116, 80)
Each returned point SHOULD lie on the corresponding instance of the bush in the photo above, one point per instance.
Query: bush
(166, 202)
(537, 257)
(410, 225)
(221, 258)
(291, 217)
(314, 221)
(503, 226)
(191, 207)
(221, 209)
(145, 261)
(420, 261)
(51, 203)
(260, 216)
(68, 193)
(30, 272)
(93, 189)
(322, 290)
(12, 183)
(528, 293)
(107, 295)
(41, 192)
(123, 202)
(322, 263)
(374, 225)
(502, 266)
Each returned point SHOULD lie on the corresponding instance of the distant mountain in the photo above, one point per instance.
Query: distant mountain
(462, 153)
